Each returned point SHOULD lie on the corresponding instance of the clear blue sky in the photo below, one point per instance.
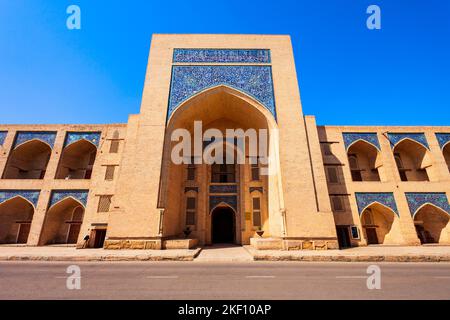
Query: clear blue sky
(347, 73)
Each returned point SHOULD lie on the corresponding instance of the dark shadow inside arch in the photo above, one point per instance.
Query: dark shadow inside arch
(16, 215)
(223, 225)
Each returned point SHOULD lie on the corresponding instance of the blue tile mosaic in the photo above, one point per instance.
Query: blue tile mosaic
(417, 200)
(93, 137)
(443, 139)
(30, 195)
(3, 135)
(58, 195)
(256, 81)
(215, 200)
(45, 136)
(221, 55)
(366, 199)
(395, 138)
(223, 188)
(350, 138)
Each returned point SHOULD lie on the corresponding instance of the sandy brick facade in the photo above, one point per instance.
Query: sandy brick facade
(329, 187)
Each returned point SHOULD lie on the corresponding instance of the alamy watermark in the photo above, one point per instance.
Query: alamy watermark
(73, 21)
(374, 20)
(73, 281)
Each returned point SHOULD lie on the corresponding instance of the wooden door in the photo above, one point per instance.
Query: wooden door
(371, 236)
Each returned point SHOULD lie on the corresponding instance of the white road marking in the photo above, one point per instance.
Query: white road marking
(268, 277)
(162, 277)
(351, 277)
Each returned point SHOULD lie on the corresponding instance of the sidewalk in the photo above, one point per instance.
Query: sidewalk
(359, 254)
(73, 254)
(224, 253)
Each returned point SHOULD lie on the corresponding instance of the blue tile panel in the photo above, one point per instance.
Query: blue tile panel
(3, 135)
(417, 200)
(221, 55)
(371, 138)
(395, 138)
(223, 188)
(443, 139)
(58, 195)
(366, 199)
(45, 136)
(256, 81)
(215, 200)
(72, 137)
(30, 195)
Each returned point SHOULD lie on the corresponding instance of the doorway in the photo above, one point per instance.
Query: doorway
(372, 237)
(343, 237)
(223, 225)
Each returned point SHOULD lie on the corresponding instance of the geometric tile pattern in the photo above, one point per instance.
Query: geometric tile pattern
(215, 200)
(58, 195)
(350, 138)
(255, 81)
(417, 200)
(93, 137)
(30, 195)
(221, 55)
(366, 199)
(232, 188)
(24, 136)
(443, 139)
(3, 137)
(395, 138)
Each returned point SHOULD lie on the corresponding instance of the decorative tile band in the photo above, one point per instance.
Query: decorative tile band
(221, 55)
(93, 137)
(45, 136)
(350, 138)
(255, 81)
(366, 199)
(58, 195)
(231, 188)
(215, 200)
(417, 200)
(30, 195)
(443, 139)
(395, 138)
(3, 135)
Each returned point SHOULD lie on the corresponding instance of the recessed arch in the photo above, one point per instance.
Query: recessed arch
(221, 108)
(413, 160)
(222, 204)
(446, 153)
(377, 221)
(62, 222)
(16, 215)
(28, 160)
(432, 224)
(364, 161)
(77, 160)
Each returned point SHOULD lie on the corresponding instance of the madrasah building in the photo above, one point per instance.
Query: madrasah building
(329, 187)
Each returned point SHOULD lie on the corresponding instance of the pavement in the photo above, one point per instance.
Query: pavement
(58, 253)
(230, 253)
(359, 254)
(224, 281)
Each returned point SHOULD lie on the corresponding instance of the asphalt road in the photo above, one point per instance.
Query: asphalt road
(195, 280)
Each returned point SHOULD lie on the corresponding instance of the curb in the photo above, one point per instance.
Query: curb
(375, 258)
(143, 257)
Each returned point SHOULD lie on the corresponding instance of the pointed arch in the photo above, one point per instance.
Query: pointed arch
(377, 221)
(77, 160)
(28, 160)
(60, 224)
(222, 204)
(16, 215)
(413, 160)
(364, 161)
(432, 224)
